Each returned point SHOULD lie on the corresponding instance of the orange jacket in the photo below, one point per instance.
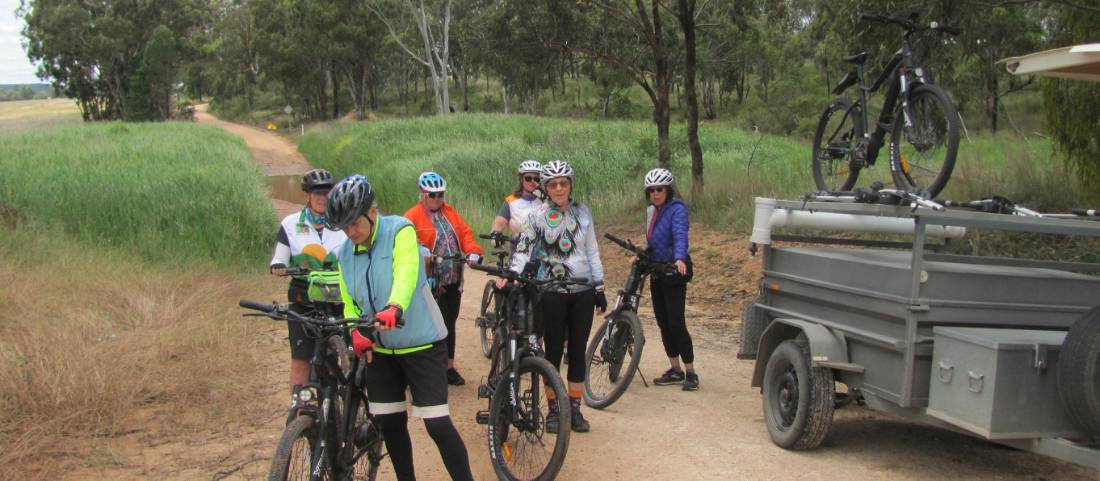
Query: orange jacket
(425, 229)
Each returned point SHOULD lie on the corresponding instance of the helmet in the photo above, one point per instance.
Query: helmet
(529, 166)
(658, 177)
(351, 198)
(555, 169)
(431, 182)
(317, 179)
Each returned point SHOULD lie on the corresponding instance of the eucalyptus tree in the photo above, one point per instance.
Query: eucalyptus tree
(422, 29)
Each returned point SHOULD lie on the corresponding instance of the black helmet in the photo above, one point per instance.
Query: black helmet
(317, 179)
(351, 198)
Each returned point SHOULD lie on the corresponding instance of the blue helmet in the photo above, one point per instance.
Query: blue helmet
(431, 182)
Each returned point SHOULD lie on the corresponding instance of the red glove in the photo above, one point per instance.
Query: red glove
(389, 317)
(360, 343)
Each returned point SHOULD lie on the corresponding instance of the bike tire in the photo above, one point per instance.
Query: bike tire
(925, 163)
(511, 437)
(616, 362)
(486, 320)
(294, 454)
(837, 129)
(366, 467)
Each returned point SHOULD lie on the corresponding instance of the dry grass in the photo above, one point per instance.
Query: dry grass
(89, 338)
(23, 115)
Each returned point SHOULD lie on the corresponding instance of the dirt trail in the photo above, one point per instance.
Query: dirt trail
(650, 433)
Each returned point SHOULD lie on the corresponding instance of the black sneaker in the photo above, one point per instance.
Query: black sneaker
(671, 376)
(691, 383)
(552, 421)
(454, 378)
(579, 423)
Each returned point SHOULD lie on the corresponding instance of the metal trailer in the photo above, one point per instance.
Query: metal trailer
(966, 343)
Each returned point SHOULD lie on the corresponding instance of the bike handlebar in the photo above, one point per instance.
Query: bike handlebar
(282, 312)
(626, 244)
(512, 276)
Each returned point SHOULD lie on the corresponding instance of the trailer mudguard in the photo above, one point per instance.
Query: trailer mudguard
(826, 348)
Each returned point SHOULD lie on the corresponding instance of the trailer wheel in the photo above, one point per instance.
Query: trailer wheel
(798, 398)
(1079, 372)
(753, 322)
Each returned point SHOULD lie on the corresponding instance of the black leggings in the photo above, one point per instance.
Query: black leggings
(395, 431)
(449, 302)
(668, 308)
(567, 317)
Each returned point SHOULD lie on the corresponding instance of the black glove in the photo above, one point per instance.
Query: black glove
(601, 301)
(498, 239)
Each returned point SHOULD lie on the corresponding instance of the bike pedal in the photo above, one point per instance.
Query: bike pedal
(483, 391)
(482, 417)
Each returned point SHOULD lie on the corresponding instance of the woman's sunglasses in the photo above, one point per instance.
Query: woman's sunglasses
(435, 195)
(650, 190)
(530, 178)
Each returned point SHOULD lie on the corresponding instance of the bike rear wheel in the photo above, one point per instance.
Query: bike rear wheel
(835, 148)
(520, 447)
(487, 319)
(294, 455)
(922, 156)
(612, 358)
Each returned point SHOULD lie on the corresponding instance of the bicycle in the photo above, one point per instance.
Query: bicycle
(518, 434)
(488, 321)
(330, 434)
(914, 111)
(620, 340)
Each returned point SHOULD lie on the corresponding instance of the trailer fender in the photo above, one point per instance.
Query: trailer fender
(826, 348)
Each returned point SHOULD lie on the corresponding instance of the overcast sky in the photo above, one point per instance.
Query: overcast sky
(15, 68)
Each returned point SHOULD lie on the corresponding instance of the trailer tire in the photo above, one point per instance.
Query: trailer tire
(1079, 372)
(798, 398)
(753, 322)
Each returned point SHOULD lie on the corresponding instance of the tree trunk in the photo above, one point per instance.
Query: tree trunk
(663, 78)
(992, 104)
(335, 92)
(687, 23)
(504, 96)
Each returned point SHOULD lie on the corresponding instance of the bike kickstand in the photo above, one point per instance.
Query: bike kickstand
(639, 370)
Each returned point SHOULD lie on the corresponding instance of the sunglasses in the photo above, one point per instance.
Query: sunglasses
(558, 184)
(530, 178)
(435, 195)
(650, 190)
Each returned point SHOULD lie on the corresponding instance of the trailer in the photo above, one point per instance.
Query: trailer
(1004, 349)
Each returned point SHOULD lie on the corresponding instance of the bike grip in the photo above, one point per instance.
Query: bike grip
(258, 306)
(949, 30)
(1086, 212)
(486, 236)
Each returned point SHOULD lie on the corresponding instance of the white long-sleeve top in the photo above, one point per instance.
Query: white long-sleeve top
(563, 243)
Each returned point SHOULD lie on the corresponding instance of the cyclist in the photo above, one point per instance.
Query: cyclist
(560, 238)
(303, 241)
(667, 227)
(524, 198)
(445, 234)
(382, 276)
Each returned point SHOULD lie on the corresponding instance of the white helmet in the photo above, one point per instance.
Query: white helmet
(657, 177)
(529, 166)
(555, 169)
(431, 182)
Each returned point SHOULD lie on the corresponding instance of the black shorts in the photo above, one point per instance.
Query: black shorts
(424, 373)
(301, 346)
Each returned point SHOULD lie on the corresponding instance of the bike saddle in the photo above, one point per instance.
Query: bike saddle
(858, 59)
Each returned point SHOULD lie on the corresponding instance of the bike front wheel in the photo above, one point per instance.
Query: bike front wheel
(924, 141)
(486, 319)
(294, 455)
(836, 149)
(520, 445)
(612, 358)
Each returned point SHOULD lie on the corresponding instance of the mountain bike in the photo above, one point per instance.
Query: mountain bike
(523, 388)
(488, 321)
(614, 353)
(330, 434)
(922, 121)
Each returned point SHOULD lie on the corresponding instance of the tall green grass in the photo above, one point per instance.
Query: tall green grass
(167, 192)
(478, 153)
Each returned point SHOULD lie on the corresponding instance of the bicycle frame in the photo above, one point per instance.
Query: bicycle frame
(903, 75)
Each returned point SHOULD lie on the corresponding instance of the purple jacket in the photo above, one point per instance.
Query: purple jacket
(669, 240)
